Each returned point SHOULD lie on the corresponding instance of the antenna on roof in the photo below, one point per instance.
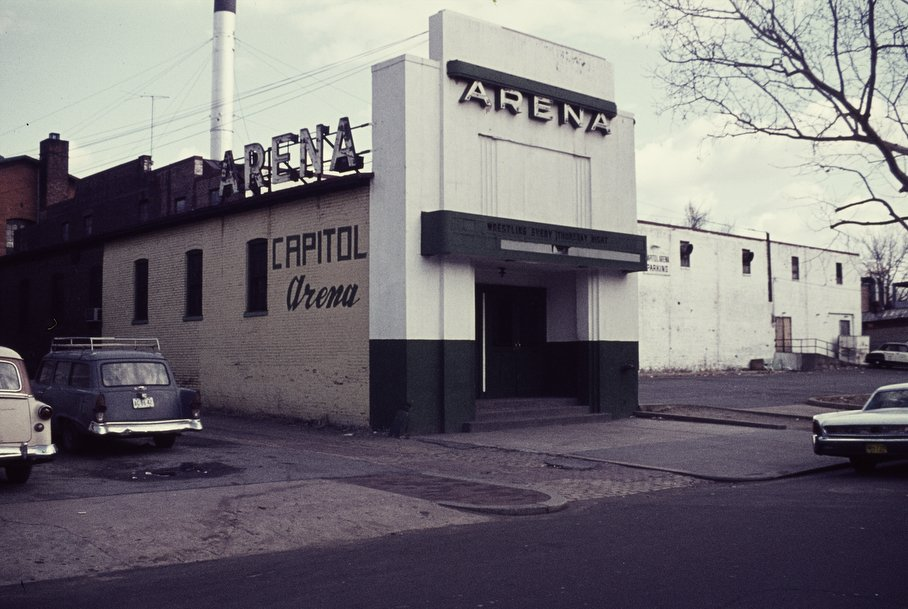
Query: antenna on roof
(151, 143)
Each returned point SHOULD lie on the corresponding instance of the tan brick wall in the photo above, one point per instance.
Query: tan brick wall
(308, 362)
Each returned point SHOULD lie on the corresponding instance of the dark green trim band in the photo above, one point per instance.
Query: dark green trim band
(487, 237)
(431, 384)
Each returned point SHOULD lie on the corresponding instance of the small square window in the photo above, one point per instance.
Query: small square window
(686, 249)
(747, 257)
(795, 268)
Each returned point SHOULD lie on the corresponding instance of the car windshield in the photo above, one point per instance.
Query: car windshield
(119, 374)
(897, 398)
(9, 377)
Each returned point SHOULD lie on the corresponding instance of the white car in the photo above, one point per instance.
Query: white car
(24, 421)
(889, 354)
(877, 432)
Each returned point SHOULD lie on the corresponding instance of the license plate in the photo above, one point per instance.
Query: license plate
(143, 402)
(875, 449)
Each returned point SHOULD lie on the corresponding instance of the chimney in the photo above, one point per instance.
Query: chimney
(222, 60)
(53, 180)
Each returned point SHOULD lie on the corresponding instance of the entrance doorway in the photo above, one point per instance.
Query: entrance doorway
(783, 334)
(511, 341)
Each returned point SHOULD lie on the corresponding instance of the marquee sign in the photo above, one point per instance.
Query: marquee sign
(540, 102)
(263, 168)
(450, 233)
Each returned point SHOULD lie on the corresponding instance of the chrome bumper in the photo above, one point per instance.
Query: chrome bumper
(136, 428)
(25, 452)
(847, 446)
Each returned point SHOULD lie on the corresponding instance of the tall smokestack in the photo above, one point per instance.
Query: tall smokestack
(222, 77)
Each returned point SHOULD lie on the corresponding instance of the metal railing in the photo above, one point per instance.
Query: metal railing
(96, 343)
(807, 345)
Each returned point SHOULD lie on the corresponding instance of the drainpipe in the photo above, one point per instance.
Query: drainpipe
(769, 265)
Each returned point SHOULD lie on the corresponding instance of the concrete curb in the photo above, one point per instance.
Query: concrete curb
(555, 503)
(715, 421)
(716, 477)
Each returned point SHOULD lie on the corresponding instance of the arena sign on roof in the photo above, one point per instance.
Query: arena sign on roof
(542, 102)
(265, 167)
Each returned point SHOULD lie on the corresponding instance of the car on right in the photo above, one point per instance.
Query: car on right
(875, 433)
(888, 354)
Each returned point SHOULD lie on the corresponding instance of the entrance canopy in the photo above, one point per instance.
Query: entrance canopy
(455, 233)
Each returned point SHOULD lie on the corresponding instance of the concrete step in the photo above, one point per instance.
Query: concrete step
(514, 413)
(479, 426)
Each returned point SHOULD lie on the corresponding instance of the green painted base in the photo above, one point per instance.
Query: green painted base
(429, 386)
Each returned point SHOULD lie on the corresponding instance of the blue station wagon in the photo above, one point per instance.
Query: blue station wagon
(114, 387)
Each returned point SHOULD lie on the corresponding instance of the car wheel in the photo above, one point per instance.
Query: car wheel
(18, 473)
(862, 464)
(71, 439)
(165, 440)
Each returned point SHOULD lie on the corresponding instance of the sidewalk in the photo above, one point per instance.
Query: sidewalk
(718, 448)
(705, 443)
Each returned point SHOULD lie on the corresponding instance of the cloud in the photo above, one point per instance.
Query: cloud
(748, 183)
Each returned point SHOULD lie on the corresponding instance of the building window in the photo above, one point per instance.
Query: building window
(13, 226)
(839, 275)
(257, 276)
(747, 257)
(180, 205)
(686, 249)
(140, 291)
(194, 284)
(64, 231)
(795, 268)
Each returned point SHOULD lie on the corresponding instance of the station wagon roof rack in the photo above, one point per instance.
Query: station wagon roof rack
(96, 343)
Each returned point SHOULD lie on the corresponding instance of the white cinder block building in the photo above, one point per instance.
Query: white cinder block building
(712, 300)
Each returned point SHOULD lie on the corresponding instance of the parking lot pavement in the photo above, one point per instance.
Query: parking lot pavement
(249, 484)
(255, 484)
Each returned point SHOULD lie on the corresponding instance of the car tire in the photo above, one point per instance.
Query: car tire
(165, 440)
(71, 439)
(18, 473)
(862, 465)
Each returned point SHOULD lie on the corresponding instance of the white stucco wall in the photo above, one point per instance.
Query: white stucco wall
(432, 152)
(714, 316)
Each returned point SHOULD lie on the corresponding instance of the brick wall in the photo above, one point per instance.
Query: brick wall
(304, 361)
(18, 194)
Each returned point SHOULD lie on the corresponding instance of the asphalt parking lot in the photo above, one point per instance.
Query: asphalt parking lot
(745, 389)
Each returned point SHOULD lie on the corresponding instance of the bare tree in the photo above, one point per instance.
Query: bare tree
(885, 259)
(832, 74)
(695, 217)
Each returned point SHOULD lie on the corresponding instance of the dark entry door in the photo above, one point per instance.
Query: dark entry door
(511, 327)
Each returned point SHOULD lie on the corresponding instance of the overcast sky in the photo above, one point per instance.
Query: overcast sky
(93, 70)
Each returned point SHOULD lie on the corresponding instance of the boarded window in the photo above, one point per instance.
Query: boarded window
(257, 276)
(140, 291)
(194, 283)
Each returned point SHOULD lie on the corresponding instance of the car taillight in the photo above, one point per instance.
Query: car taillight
(100, 408)
(196, 406)
(45, 413)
